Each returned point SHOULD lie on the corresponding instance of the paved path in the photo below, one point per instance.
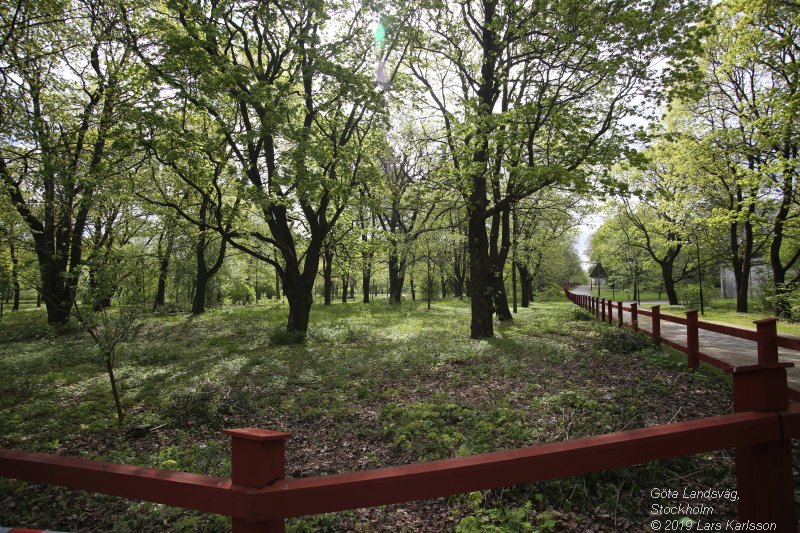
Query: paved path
(738, 352)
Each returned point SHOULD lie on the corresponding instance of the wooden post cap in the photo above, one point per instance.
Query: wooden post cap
(256, 434)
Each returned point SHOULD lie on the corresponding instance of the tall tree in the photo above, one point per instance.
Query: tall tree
(404, 213)
(65, 81)
(740, 111)
(529, 94)
(286, 86)
(664, 209)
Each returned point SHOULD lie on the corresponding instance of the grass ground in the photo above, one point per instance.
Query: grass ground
(373, 385)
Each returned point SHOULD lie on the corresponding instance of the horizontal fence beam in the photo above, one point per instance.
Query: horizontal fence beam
(179, 489)
(674, 319)
(788, 342)
(314, 495)
(731, 331)
(782, 341)
(338, 492)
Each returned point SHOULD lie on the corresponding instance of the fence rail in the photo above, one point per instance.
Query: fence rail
(693, 326)
(259, 498)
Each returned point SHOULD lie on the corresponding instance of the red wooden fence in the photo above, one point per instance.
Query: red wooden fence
(259, 498)
(693, 325)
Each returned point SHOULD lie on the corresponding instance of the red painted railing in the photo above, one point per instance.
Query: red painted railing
(259, 498)
(691, 347)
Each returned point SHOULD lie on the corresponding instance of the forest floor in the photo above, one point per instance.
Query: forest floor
(373, 385)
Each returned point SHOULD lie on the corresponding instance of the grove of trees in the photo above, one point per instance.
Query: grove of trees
(186, 153)
(719, 185)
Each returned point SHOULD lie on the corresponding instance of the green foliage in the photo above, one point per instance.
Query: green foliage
(323, 523)
(689, 295)
(498, 520)
(621, 340)
(282, 337)
(439, 429)
(206, 404)
(502, 519)
(582, 315)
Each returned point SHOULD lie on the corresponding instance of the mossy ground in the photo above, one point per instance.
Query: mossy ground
(373, 385)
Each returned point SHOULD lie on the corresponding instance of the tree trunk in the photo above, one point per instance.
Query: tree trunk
(429, 283)
(781, 305)
(163, 269)
(298, 294)
(413, 292)
(200, 291)
(669, 284)
(327, 277)
(524, 280)
(499, 247)
(459, 271)
(500, 297)
(344, 289)
(277, 285)
(365, 284)
(396, 277)
(458, 288)
(481, 297)
(514, 284)
(204, 273)
(14, 274)
(58, 296)
(444, 285)
(114, 391)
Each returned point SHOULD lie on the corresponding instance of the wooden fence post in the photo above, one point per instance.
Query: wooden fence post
(656, 324)
(258, 459)
(764, 472)
(692, 340)
(634, 316)
(610, 312)
(603, 309)
(620, 316)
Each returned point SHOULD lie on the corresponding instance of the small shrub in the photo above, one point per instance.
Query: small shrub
(501, 519)
(581, 315)
(206, 404)
(438, 429)
(689, 295)
(281, 337)
(621, 340)
(786, 303)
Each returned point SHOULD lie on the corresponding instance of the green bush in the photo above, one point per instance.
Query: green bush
(206, 404)
(282, 337)
(689, 295)
(582, 315)
(438, 429)
(621, 340)
(786, 303)
(503, 519)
